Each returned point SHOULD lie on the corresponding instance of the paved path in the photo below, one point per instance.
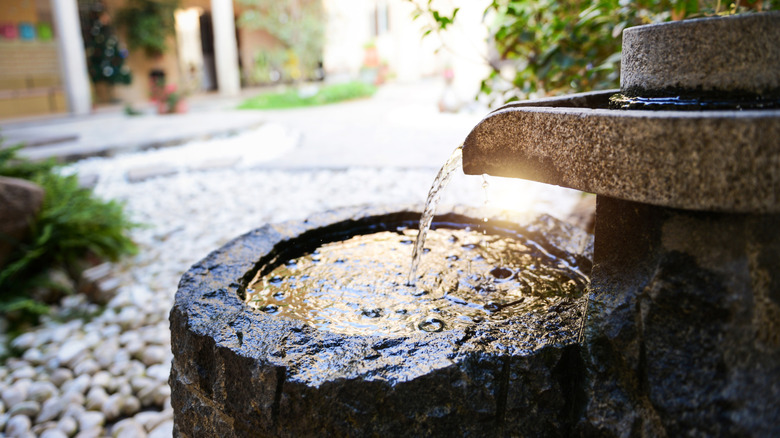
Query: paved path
(399, 127)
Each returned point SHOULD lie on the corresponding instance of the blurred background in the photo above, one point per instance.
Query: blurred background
(137, 136)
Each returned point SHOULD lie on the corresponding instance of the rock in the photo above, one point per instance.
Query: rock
(50, 410)
(95, 432)
(26, 372)
(28, 408)
(25, 341)
(159, 372)
(143, 173)
(21, 201)
(153, 354)
(96, 398)
(106, 354)
(78, 385)
(150, 419)
(164, 430)
(102, 379)
(130, 405)
(34, 356)
(41, 391)
(53, 433)
(90, 420)
(18, 425)
(68, 426)
(39, 428)
(86, 366)
(72, 351)
(13, 395)
(128, 428)
(112, 407)
(60, 376)
(97, 285)
(57, 285)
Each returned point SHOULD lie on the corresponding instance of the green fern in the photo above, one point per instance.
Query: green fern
(72, 224)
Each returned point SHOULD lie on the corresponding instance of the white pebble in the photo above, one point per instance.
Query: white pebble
(67, 425)
(130, 405)
(25, 341)
(128, 428)
(60, 376)
(153, 354)
(39, 428)
(28, 408)
(42, 390)
(164, 430)
(159, 372)
(34, 356)
(102, 379)
(96, 398)
(79, 385)
(112, 407)
(95, 432)
(150, 419)
(23, 373)
(90, 420)
(18, 425)
(72, 351)
(50, 410)
(15, 393)
(86, 366)
(53, 433)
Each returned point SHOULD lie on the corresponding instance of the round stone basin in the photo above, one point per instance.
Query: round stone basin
(448, 364)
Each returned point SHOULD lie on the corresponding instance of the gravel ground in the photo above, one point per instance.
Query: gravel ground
(106, 374)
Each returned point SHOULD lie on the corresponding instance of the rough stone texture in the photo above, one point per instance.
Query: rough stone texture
(237, 372)
(724, 55)
(706, 160)
(683, 334)
(21, 200)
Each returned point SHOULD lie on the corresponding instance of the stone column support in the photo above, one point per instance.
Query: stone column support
(225, 47)
(73, 61)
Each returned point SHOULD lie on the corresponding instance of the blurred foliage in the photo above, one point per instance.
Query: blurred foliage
(148, 24)
(298, 26)
(72, 224)
(551, 47)
(310, 96)
(105, 55)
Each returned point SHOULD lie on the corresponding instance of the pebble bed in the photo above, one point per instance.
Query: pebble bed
(93, 371)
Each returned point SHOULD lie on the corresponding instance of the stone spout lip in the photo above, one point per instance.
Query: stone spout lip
(727, 161)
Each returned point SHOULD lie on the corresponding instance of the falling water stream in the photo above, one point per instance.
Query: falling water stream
(434, 196)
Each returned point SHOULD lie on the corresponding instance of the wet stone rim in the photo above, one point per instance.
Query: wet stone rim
(212, 291)
(211, 328)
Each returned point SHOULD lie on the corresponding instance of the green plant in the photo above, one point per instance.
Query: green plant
(298, 27)
(548, 47)
(148, 23)
(293, 98)
(73, 224)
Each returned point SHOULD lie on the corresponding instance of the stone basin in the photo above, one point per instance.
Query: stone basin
(240, 372)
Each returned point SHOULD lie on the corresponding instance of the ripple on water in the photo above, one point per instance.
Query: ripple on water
(352, 286)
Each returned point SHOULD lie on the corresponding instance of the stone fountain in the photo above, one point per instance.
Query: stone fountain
(682, 333)
(680, 323)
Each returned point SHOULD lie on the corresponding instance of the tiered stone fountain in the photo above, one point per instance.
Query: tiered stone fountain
(681, 330)
(683, 327)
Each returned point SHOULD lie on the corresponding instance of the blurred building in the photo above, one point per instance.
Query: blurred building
(43, 68)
